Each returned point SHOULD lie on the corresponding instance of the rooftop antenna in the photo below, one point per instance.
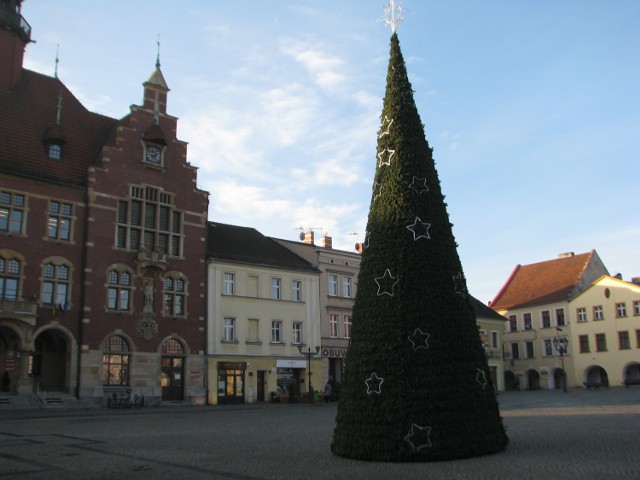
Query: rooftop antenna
(158, 56)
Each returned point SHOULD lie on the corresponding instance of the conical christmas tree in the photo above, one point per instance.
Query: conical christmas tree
(416, 384)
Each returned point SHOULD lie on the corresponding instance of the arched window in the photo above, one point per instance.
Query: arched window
(172, 347)
(174, 292)
(119, 290)
(10, 269)
(55, 285)
(115, 361)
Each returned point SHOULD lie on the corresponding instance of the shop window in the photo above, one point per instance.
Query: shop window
(115, 361)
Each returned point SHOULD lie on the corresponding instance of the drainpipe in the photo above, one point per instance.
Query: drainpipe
(83, 265)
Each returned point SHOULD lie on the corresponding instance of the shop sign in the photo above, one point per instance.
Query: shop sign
(291, 364)
(9, 364)
(195, 373)
(334, 352)
(232, 365)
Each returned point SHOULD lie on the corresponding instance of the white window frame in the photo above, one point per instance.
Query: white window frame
(276, 289)
(621, 310)
(598, 312)
(346, 323)
(297, 333)
(333, 325)
(581, 314)
(347, 286)
(296, 290)
(276, 331)
(229, 283)
(229, 329)
(333, 285)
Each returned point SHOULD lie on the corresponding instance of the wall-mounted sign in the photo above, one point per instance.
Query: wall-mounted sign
(291, 363)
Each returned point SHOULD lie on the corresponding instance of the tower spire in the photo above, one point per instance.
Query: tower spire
(55, 71)
(158, 55)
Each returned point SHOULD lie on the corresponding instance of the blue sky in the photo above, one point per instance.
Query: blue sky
(532, 108)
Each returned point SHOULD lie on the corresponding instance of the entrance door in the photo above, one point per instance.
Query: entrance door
(172, 378)
(260, 386)
(230, 384)
(49, 360)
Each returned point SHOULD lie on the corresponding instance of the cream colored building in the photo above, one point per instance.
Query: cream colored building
(605, 332)
(535, 300)
(491, 328)
(338, 285)
(263, 319)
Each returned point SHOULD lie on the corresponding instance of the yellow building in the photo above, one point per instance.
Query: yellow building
(535, 300)
(491, 328)
(605, 332)
(263, 321)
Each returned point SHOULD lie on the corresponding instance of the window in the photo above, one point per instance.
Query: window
(276, 285)
(333, 325)
(253, 334)
(598, 312)
(546, 319)
(118, 290)
(10, 269)
(147, 220)
(297, 333)
(637, 338)
(55, 151)
(11, 212)
(515, 351)
(347, 326)
(527, 321)
(229, 330)
(115, 361)
(494, 339)
(333, 285)
(276, 331)
(548, 347)
(513, 323)
(581, 313)
(623, 338)
(55, 284)
(529, 349)
(60, 216)
(346, 286)
(296, 290)
(601, 342)
(636, 307)
(229, 284)
(584, 343)
(173, 295)
(560, 317)
(621, 310)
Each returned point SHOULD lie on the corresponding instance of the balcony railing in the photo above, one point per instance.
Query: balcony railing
(16, 23)
(21, 309)
(152, 258)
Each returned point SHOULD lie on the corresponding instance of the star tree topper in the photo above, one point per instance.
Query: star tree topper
(393, 14)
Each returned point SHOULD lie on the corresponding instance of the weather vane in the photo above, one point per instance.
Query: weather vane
(393, 14)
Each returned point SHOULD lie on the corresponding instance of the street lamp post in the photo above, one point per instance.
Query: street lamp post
(309, 354)
(561, 344)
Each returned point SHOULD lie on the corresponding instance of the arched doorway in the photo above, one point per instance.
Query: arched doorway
(533, 380)
(596, 376)
(49, 361)
(631, 374)
(511, 381)
(172, 370)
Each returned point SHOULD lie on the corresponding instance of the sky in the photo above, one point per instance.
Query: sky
(532, 108)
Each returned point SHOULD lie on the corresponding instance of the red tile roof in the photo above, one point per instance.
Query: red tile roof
(543, 282)
(28, 116)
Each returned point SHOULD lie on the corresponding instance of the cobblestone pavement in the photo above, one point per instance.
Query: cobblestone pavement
(578, 435)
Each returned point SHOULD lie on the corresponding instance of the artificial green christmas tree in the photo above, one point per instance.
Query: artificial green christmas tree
(416, 384)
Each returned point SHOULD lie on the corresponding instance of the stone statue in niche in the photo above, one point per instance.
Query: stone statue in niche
(148, 296)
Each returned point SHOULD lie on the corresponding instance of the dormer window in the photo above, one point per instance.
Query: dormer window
(153, 155)
(54, 151)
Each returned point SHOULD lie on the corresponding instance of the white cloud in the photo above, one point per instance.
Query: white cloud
(324, 68)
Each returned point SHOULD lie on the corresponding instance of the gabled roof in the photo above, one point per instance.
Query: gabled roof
(544, 282)
(483, 311)
(28, 114)
(248, 246)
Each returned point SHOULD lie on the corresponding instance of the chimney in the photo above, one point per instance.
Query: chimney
(326, 242)
(635, 280)
(307, 237)
(566, 255)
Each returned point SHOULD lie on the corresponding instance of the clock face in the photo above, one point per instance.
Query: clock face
(153, 155)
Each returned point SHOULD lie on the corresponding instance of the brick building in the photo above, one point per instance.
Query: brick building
(102, 241)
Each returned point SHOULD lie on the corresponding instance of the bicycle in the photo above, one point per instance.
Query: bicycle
(134, 400)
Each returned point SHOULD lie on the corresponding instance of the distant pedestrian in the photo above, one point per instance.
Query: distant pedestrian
(516, 384)
(327, 392)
